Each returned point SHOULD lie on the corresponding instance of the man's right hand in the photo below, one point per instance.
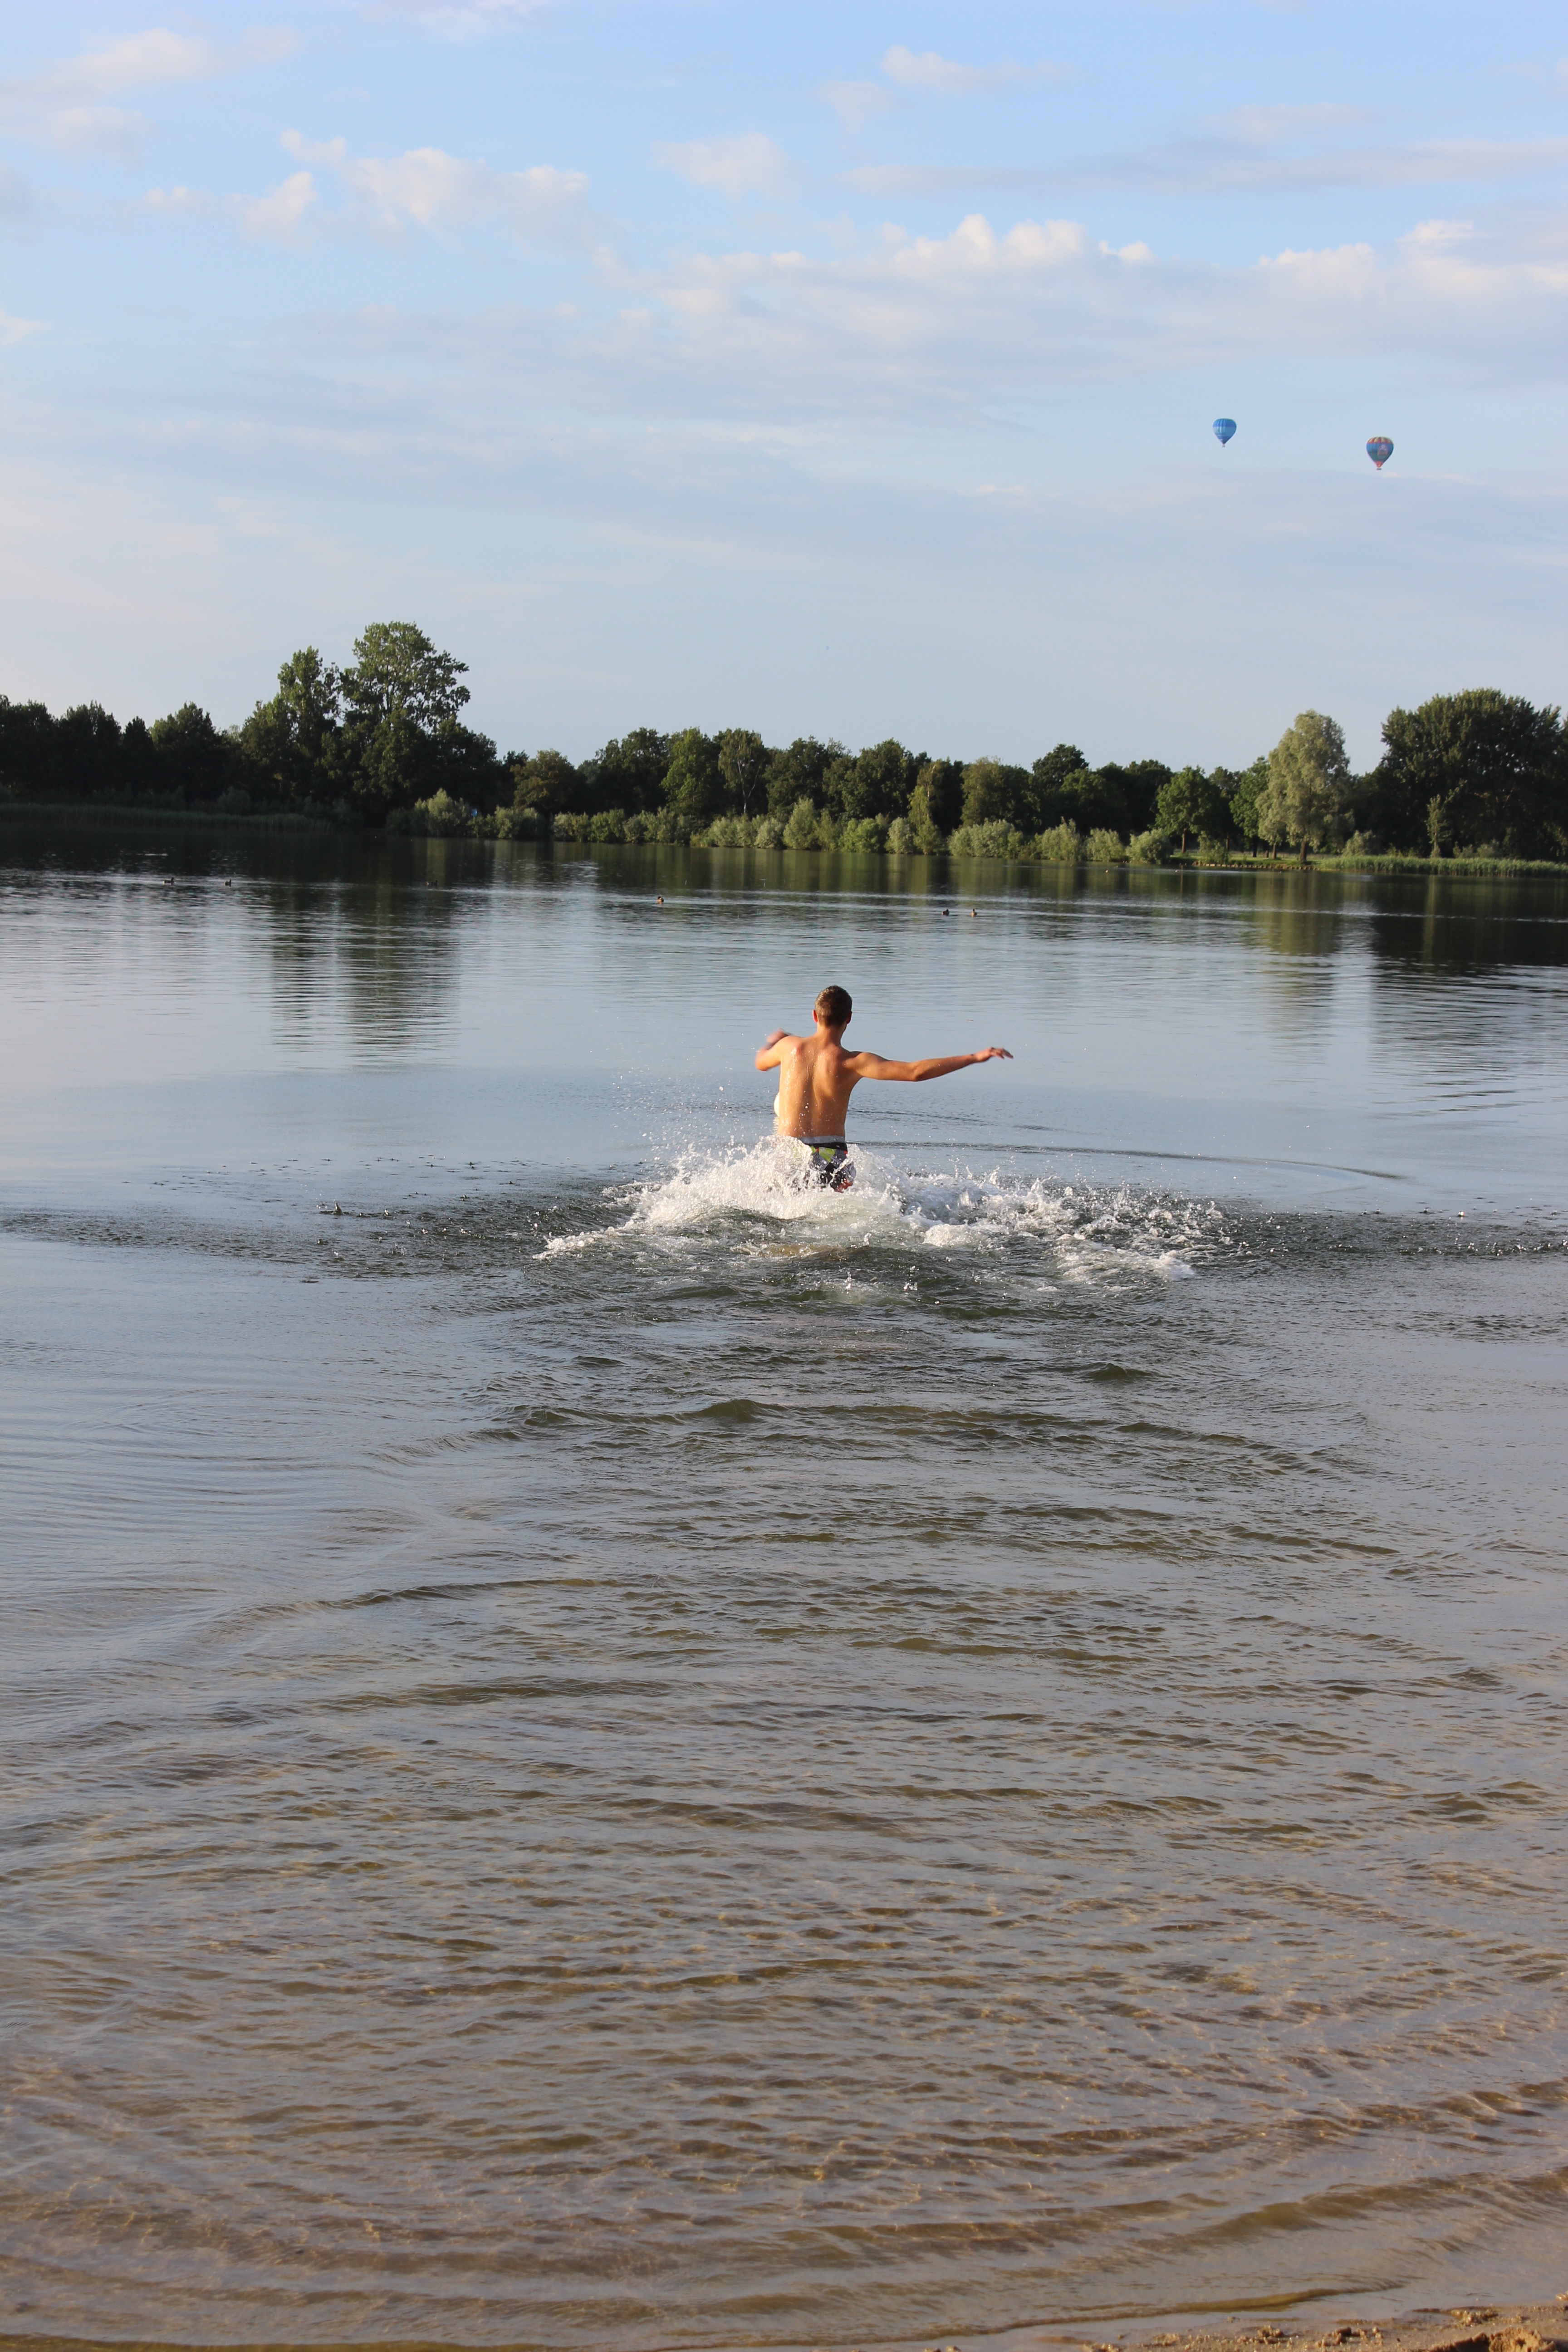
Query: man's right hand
(993, 1054)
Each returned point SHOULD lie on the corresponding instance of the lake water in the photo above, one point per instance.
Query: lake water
(600, 1749)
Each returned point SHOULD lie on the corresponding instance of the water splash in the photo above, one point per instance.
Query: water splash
(1080, 1231)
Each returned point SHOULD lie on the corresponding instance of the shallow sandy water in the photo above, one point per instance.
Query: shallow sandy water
(602, 1750)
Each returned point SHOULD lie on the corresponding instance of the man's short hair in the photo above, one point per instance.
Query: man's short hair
(833, 1008)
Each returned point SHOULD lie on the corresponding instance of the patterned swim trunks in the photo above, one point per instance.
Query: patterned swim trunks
(829, 1161)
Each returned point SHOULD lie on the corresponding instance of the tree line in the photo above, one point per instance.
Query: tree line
(381, 743)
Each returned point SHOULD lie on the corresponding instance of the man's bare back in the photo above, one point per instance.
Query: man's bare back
(816, 1076)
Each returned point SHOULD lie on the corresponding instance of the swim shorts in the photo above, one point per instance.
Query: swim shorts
(830, 1162)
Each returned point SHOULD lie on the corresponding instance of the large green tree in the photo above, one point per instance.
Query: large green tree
(90, 754)
(1056, 787)
(195, 763)
(1137, 787)
(1068, 791)
(289, 747)
(884, 776)
(396, 669)
(403, 738)
(936, 803)
(628, 774)
(1306, 801)
(1476, 768)
(993, 790)
(547, 784)
(693, 784)
(800, 773)
(27, 749)
(743, 765)
(1189, 802)
(1243, 792)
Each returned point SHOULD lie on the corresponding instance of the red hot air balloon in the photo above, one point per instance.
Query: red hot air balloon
(1380, 450)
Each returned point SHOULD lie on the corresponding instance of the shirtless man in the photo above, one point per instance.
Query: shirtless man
(817, 1079)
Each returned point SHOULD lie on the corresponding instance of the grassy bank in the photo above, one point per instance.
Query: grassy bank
(119, 813)
(1393, 862)
(1062, 851)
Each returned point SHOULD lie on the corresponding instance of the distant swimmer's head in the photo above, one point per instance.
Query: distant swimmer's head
(833, 1008)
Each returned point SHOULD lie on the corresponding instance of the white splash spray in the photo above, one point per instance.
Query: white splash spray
(1074, 1232)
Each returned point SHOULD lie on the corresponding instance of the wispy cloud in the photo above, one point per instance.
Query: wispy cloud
(463, 19)
(855, 102)
(1218, 166)
(180, 202)
(945, 79)
(917, 324)
(749, 165)
(1267, 126)
(780, 350)
(70, 105)
(928, 74)
(425, 188)
(16, 330)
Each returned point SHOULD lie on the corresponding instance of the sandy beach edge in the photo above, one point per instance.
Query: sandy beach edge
(1503, 2328)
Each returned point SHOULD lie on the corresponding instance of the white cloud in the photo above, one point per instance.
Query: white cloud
(749, 165)
(1438, 233)
(16, 330)
(942, 76)
(976, 248)
(425, 188)
(68, 104)
(280, 216)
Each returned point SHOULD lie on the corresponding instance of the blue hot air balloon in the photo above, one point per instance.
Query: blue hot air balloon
(1224, 429)
(1380, 450)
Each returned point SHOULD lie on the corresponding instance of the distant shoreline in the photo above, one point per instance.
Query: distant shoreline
(80, 814)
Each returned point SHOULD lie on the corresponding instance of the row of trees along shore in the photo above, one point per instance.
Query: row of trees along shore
(381, 743)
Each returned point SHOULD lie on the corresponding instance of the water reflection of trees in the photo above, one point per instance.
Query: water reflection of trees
(1468, 927)
(364, 938)
(375, 950)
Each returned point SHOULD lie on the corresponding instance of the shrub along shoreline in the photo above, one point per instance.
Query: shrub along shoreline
(573, 835)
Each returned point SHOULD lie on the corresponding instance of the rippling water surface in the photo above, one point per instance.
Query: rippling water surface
(600, 1749)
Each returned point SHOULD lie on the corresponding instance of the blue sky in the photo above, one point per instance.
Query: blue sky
(847, 370)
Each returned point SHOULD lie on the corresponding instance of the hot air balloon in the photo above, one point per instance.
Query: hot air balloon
(1224, 429)
(1380, 450)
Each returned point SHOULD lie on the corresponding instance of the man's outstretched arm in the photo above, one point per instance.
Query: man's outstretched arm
(768, 1054)
(872, 1066)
